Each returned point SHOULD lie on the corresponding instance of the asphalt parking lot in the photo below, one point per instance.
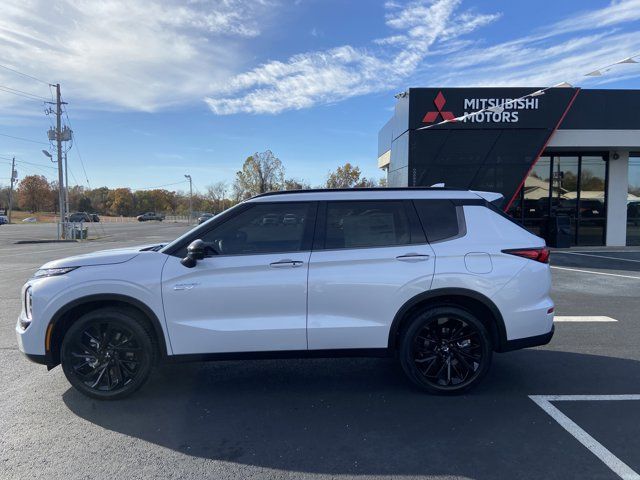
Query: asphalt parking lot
(340, 417)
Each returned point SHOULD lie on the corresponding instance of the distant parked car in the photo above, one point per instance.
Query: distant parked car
(3, 220)
(30, 220)
(78, 217)
(94, 217)
(204, 217)
(150, 216)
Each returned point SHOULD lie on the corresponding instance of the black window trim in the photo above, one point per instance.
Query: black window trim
(416, 233)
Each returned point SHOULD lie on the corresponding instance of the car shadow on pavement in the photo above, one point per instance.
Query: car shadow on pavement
(361, 417)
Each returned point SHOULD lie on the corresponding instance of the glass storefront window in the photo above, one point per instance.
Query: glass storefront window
(633, 203)
(565, 185)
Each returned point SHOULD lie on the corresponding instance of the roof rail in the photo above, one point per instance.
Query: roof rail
(360, 189)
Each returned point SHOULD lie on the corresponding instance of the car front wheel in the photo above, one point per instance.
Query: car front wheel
(445, 350)
(108, 353)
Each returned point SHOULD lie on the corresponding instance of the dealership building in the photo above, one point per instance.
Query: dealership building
(565, 153)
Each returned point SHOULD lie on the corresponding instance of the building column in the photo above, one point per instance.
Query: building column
(617, 199)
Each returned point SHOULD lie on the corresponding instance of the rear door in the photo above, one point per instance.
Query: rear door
(369, 258)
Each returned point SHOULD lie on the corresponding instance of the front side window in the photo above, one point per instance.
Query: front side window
(263, 228)
(366, 224)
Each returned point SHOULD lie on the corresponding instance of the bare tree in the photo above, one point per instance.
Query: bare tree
(261, 172)
(217, 194)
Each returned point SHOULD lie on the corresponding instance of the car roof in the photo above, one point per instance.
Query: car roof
(368, 194)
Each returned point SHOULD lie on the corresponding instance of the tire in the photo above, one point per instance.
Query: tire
(445, 350)
(108, 353)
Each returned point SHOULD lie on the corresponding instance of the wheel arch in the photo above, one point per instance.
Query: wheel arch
(62, 319)
(470, 300)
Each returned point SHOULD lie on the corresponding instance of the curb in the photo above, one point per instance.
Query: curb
(27, 242)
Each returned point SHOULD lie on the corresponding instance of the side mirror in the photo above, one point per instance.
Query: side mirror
(195, 252)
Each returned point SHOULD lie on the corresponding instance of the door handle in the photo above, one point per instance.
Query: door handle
(286, 264)
(413, 257)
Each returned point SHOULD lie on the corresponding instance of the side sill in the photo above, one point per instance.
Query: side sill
(334, 353)
(527, 342)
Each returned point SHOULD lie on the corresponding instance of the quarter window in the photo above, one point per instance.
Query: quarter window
(366, 224)
(263, 228)
(439, 219)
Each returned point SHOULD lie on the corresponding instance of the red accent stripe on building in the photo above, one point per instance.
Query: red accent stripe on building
(544, 147)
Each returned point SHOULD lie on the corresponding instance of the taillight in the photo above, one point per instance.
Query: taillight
(538, 254)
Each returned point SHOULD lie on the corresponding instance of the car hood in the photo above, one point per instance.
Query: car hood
(102, 257)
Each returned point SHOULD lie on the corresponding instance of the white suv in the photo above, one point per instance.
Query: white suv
(438, 278)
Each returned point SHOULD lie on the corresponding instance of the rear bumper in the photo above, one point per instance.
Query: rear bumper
(527, 342)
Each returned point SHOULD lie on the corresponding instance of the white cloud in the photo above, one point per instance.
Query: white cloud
(563, 51)
(328, 76)
(132, 54)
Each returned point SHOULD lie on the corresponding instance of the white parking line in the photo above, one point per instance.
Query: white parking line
(595, 273)
(601, 256)
(583, 318)
(609, 459)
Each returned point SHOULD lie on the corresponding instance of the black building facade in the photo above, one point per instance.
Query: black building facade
(563, 152)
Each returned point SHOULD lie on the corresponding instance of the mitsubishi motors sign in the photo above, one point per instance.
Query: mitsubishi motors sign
(504, 107)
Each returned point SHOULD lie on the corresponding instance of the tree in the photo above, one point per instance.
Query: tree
(34, 193)
(120, 201)
(216, 197)
(295, 184)
(261, 173)
(346, 176)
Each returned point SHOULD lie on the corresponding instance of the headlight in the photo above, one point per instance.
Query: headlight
(53, 272)
(28, 308)
(28, 302)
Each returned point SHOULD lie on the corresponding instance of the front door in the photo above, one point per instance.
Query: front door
(250, 293)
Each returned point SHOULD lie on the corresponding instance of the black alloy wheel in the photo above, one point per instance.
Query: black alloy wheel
(445, 350)
(107, 353)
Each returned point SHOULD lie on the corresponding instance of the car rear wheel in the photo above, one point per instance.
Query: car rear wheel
(108, 353)
(445, 350)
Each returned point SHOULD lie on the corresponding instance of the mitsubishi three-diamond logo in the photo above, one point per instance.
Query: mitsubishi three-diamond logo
(439, 102)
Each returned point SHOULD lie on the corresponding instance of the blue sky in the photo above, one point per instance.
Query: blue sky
(157, 89)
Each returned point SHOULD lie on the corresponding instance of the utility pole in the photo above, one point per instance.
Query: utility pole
(59, 148)
(66, 184)
(190, 198)
(14, 177)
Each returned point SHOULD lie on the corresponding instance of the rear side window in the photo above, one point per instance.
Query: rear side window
(439, 219)
(366, 224)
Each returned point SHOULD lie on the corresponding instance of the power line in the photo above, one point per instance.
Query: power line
(160, 186)
(7, 157)
(75, 141)
(22, 93)
(24, 74)
(24, 139)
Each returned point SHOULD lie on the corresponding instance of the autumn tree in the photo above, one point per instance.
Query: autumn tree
(348, 176)
(295, 184)
(34, 193)
(120, 201)
(261, 172)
